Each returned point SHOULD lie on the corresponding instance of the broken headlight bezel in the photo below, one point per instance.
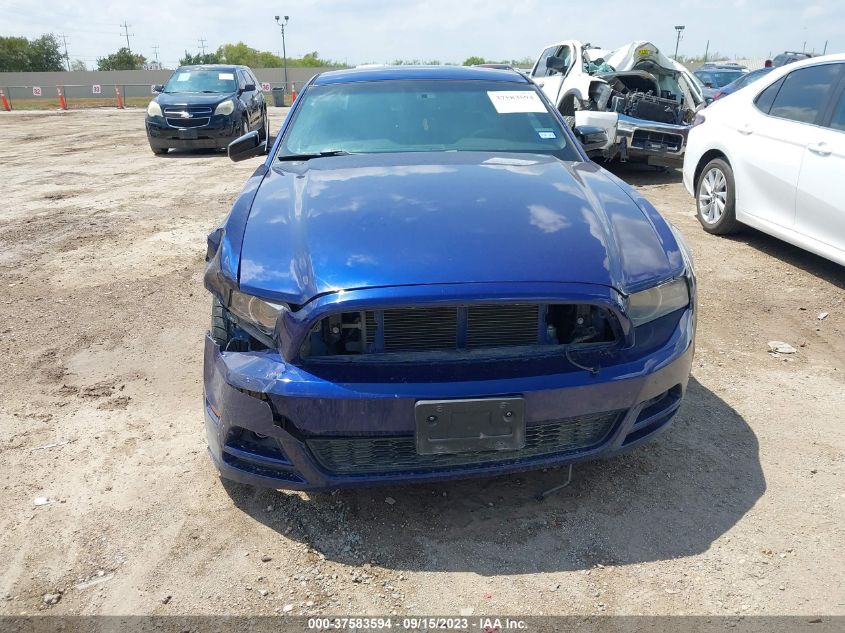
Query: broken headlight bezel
(257, 316)
(658, 301)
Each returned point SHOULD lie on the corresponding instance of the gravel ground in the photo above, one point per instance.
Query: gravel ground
(738, 509)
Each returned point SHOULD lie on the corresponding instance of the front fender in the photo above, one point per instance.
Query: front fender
(577, 86)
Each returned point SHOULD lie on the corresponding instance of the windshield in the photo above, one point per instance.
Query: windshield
(421, 116)
(719, 78)
(754, 75)
(201, 81)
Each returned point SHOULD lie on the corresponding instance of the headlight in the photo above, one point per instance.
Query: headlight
(227, 107)
(256, 312)
(698, 120)
(659, 301)
(154, 109)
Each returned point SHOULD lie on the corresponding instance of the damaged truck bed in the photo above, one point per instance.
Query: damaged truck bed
(643, 100)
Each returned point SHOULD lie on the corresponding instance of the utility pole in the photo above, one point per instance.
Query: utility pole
(202, 41)
(706, 51)
(678, 40)
(284, 50)
(125, 28)
(824, 52)
(67, 58)
(155, 52)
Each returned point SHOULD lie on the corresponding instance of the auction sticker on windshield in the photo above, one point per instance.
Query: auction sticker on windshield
(510, 101)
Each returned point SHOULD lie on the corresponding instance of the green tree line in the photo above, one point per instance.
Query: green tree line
(18, 54)
(525, 62)
(240, 53)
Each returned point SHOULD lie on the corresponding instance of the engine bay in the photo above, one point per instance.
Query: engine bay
(648, 92)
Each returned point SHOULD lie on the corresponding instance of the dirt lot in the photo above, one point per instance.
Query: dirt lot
(738, 509)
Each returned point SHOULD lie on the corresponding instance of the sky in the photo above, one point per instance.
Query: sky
(380, 31)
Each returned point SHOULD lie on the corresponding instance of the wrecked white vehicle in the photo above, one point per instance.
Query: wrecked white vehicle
(644, 101)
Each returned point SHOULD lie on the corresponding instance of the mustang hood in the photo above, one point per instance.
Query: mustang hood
(364, 221)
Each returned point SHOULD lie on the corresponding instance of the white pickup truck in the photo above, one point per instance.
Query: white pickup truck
(643, 100)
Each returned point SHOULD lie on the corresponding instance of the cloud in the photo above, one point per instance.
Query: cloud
(546, 219)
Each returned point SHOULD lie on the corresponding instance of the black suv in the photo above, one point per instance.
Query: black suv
(789, 57)
(206, 107)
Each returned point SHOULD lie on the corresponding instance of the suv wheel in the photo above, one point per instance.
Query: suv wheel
(264, 132)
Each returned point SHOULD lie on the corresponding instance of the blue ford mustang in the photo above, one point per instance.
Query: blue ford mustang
(428, 279)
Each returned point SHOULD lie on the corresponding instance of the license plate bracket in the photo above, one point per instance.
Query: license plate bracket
(462, 426)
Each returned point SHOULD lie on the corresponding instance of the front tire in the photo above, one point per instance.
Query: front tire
(715, 198)
(158, 151)
(264, 132)
(221, 326)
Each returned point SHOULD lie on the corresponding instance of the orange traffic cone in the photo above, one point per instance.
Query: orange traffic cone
(119, 98)
(62, 101)
(293, 92)
(6, 106)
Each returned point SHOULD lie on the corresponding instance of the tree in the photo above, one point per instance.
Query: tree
(240, 53)
(199, 58)
(20, 54)
(474, 61)
(122, 60)
(78, 64)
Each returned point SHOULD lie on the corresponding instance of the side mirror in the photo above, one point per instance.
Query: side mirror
(246, 146)
(556, 63)
(249, 88)
(158, 88)
(591, 137)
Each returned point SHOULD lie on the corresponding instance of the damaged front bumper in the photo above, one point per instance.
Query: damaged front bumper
(629, 138)
(276, 424)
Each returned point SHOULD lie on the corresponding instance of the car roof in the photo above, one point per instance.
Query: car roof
(393, 73)
(804, 63)
(213, 66)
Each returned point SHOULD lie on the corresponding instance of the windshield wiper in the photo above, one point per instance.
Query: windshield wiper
(323, 154)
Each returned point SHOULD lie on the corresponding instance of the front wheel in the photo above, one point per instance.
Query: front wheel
(221, 325)
(264, 132)
(715, 198)
(158, 151)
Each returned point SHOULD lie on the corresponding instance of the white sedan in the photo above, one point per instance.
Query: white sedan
(772, 156)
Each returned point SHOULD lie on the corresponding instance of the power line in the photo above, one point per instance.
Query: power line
(125, 28)
(202, 42)
(67, 58)
(155, 51)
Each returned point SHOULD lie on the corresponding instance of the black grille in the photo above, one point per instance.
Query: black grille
(419, 329)
(370, 455)
(198, 116)
(194, 111)
(645, 139)
(185, 123)
(440, 329)
(493, 325)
